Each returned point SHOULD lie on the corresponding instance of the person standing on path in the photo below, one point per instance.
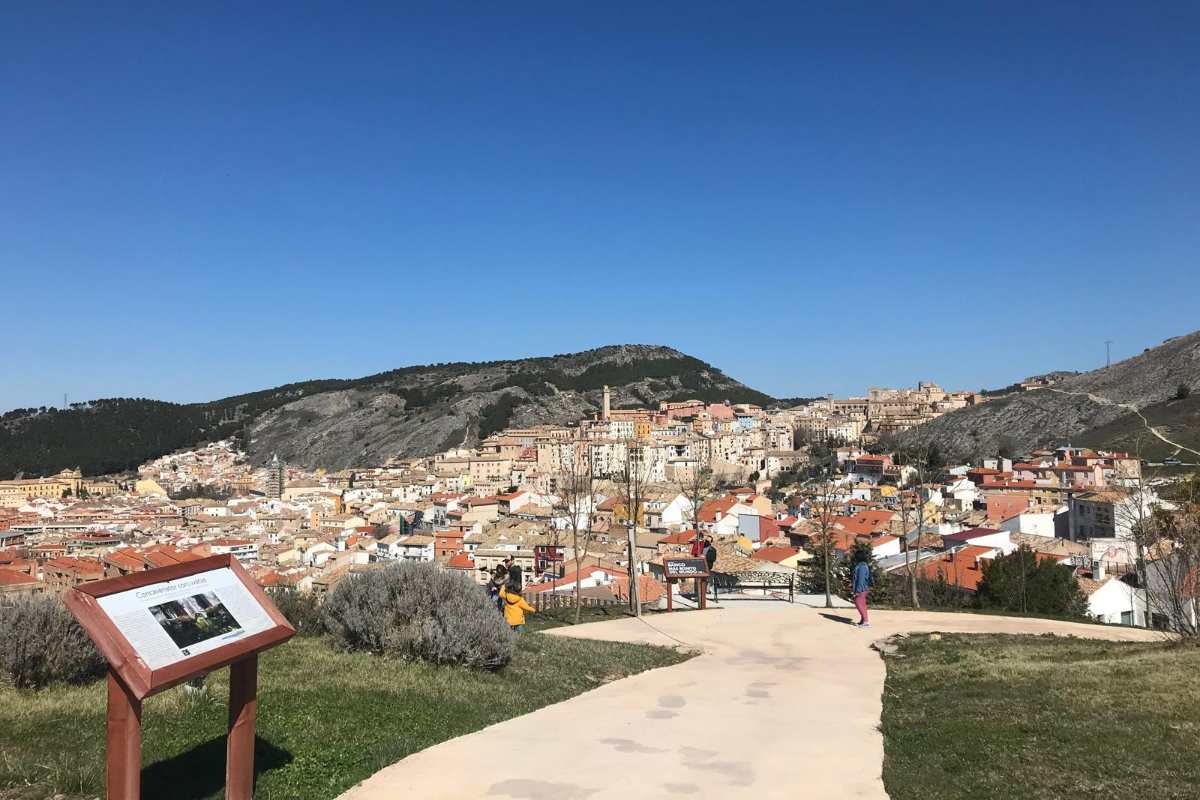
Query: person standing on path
(860, 580)
(710, 558)
(697, 552)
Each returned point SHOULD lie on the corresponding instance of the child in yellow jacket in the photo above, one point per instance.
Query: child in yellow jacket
(514, 607)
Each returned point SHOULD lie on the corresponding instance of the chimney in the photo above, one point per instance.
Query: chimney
(607, 402)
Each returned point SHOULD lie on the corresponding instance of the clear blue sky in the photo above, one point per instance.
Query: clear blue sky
(812, 196)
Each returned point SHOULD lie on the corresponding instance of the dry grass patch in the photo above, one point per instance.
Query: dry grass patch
(1001, 717)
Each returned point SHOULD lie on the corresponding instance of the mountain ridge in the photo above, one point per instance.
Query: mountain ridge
(340, 422)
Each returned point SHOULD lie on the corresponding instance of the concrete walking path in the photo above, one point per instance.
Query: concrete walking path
(783, 702)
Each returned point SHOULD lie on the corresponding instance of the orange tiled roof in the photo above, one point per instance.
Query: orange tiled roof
(962, 568)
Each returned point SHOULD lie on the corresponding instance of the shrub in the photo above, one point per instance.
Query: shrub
(42, 643)
(1020, 581)
(300, 608)
(417, 611)
(1183, 391)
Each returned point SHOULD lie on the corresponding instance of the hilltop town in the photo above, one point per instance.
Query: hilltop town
(749, 471)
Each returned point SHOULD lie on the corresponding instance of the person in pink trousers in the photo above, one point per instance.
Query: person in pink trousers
(860, 580)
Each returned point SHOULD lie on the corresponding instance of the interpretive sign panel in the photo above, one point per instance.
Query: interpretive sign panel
(160, 627)
(685, 568)
(163, 626)
(173, 620)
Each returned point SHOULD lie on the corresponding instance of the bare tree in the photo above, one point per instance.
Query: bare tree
(631, 479)
(906, 513)
(577, 489)
(697, 486)
(1166, 537)
(826, 503)
(1133, 514)
(1173, 565)
(913, 509)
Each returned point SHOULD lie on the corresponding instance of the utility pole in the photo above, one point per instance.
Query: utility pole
(1107, 353)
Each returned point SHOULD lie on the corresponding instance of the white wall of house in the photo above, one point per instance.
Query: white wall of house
(1034, 524)
(1118, 603)
(1001, 540)
(884, 549)
(728, 524)
(677, 512)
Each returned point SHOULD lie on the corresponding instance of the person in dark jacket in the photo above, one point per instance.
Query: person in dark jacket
(710, 558)
(499, 578)
(860, 580)
(514, 573)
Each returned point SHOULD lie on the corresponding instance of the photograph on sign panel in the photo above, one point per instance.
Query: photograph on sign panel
(190, 620)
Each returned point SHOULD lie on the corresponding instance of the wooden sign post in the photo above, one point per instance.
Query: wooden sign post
(165, 626)
(678, 569)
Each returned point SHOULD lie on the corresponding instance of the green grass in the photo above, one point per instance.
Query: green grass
(992, 717)
(326, 720)
(560, 617)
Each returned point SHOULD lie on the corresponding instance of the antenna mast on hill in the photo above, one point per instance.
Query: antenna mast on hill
(1107, 353)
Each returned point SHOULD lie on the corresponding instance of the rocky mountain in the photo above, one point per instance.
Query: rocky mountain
(1101, 408)
(340, 423)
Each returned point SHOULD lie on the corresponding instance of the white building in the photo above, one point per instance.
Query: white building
(1114, 601)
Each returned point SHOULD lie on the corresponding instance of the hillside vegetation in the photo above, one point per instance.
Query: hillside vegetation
(337, 423)
(1095, 407)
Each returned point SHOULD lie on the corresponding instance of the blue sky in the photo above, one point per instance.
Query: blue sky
(813, 197)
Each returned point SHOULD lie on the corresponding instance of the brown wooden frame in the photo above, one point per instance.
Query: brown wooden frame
(130, 680)
(137, 677)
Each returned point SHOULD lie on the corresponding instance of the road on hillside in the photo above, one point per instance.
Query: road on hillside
(1104, 401)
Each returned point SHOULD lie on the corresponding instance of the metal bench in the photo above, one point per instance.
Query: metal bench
(766, 581)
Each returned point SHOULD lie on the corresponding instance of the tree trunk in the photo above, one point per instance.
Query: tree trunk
(825, 550)
(578, 567)
(912, 578)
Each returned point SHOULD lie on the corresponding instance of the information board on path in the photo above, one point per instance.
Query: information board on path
(175, 620)
(685, 568)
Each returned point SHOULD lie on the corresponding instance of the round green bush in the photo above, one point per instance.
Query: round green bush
(41, 643)
(417, 611)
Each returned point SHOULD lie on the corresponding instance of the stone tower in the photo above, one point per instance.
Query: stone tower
(275, 477)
